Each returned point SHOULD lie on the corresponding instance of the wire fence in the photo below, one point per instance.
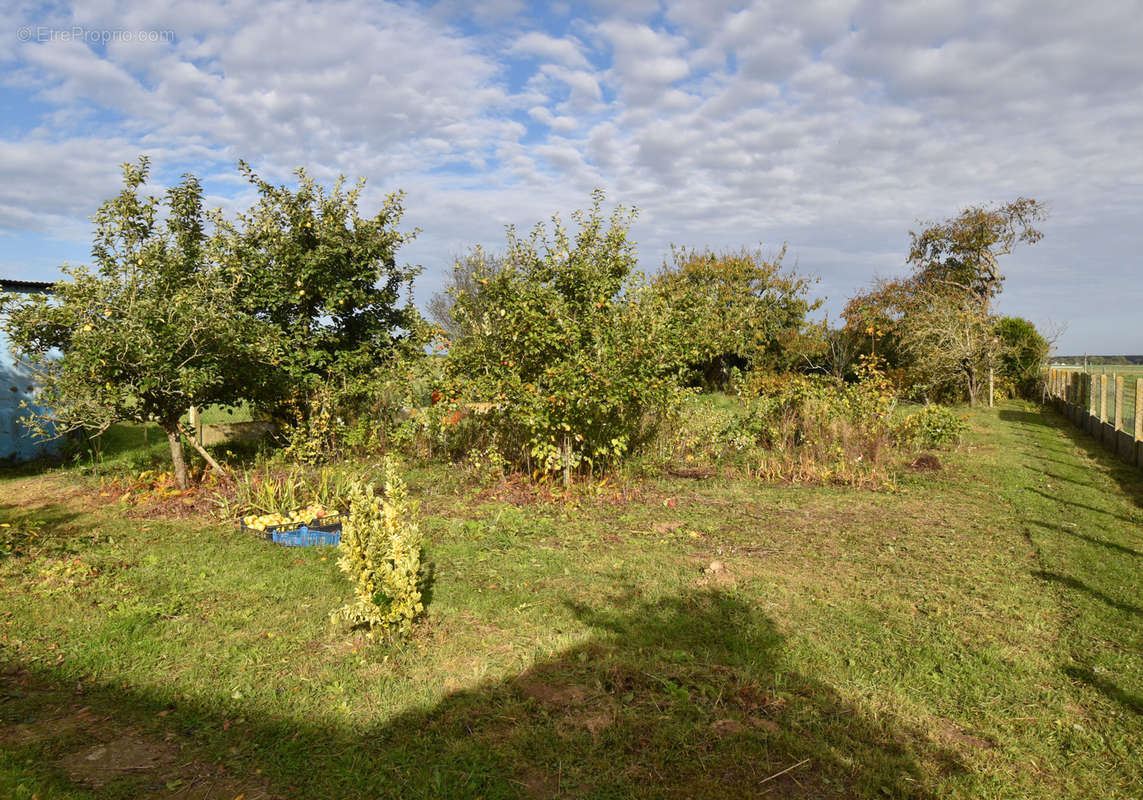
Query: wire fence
(1087, 385)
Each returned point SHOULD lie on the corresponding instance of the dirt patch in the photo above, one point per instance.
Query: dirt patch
(593, 722)
(716, 574)
(953, 734)
(553, 694)
(727, 727)
(99, 764)
(44, 730)
(926, 462)
(540, 784)
(768, 725)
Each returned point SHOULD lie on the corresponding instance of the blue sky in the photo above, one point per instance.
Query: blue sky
(835, 126)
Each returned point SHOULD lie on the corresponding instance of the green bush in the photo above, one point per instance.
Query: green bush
(932, 427)
(561, 364)
(381, 555)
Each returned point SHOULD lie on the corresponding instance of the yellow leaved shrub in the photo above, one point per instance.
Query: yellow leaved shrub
(380, 552)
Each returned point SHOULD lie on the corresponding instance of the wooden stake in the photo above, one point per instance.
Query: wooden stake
(202, 452)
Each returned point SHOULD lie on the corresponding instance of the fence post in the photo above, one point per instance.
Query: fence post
(1138, 410)
(196, 423)
(1138, 416)
(1092, 395)
(1103, 398)
(1118, 402)
(991, 387)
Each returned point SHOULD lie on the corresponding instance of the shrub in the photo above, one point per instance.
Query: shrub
(933, 426)
(560, 365)
(381, 555)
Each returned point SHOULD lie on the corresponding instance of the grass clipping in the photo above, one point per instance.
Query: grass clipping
(381, 554)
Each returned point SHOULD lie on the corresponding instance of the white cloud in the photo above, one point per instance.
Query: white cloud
(835, 125)
(566, 51)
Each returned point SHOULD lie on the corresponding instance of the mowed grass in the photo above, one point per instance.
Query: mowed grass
(976, 633)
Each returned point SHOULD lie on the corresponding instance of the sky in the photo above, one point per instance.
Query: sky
(833, 126)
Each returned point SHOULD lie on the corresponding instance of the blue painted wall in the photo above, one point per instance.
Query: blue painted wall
(16, 387)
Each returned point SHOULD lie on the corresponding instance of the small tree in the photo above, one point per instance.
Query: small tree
(307, 262)
(562, 355)
(733, 310)
(152, 331)
(951, 346)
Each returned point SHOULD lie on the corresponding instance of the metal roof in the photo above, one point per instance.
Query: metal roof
(10, 285)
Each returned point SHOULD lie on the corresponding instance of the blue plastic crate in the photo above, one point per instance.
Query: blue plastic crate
(306, 536)
(323, 533)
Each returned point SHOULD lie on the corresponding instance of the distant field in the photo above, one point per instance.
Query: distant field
(1131, 374)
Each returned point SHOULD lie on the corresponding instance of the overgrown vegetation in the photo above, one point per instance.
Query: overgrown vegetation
(936, 328)
(561, 365)
(555, 359)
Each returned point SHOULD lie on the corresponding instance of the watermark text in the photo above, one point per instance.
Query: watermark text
(100, 36)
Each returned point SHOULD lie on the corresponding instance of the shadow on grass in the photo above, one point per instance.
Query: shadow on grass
(1129, 478)
(685, 697)
(49, 528)
(1118, 548)
(1107, 688)
(1080, 586)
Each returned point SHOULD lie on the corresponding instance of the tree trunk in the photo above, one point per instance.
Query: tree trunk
(172, 430)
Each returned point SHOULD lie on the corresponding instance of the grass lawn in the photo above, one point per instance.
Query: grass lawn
(976, 633)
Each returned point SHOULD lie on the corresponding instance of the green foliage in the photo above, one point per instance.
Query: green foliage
(562, 364)
(935, 327)
(932, 427)
(326, 277)
(153, 330)
(381, 555)
(276, 488)
(733, 310)
(1022, 356)
(960, 254)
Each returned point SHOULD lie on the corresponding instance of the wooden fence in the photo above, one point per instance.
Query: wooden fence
(1095, 404)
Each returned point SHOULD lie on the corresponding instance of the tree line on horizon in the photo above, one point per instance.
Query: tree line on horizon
(556, 354)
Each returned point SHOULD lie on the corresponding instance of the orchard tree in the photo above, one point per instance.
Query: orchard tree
(562, 355)
(306, 261)
(961, 255)
(154, 329)
(734, 310)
